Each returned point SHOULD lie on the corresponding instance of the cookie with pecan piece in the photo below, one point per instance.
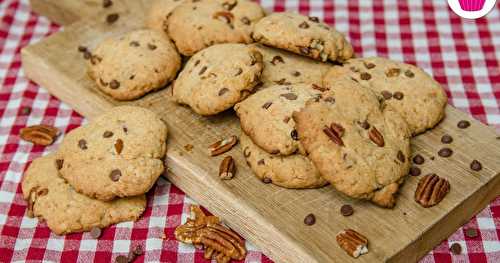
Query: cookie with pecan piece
(158, 13)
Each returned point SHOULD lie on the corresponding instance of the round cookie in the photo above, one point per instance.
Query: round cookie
(51, 199)
(197, 24)
(408, 89)
(134, 64)
(282, 67)
(217, 77)
(360, 146)
(159, 12)
(118, 154)
(266, 116)
(293, 171)
(303, 35)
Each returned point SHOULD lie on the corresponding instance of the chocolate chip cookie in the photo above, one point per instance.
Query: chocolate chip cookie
(158, 13)
(303, 35)
(217, 77)
(360, 146)
(293, 171)
(414, 94)
(134, 64)
(197, 24)
(118, 154)
(52, 199)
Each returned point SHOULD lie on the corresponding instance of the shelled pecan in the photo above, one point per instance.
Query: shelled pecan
(227, 168)
(353, 242)
(39, 134)
(431, 189)
(222, 146)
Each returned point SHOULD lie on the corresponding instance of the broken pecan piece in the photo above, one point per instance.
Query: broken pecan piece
(353, 242)
(431, 190)
(222, 146)
(224, 16)
(376, 137)
(218, 240)
(39, 134)
(227, 168)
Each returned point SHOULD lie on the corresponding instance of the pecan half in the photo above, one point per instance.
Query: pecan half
(333, 133)
(353, 242)
(39, 134)
(227, 168)
(219, 241)
(224, 16)
(222, 146)
(376, 137)
(431, 190)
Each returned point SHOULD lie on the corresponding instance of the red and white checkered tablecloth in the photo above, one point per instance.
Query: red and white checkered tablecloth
(461, 54)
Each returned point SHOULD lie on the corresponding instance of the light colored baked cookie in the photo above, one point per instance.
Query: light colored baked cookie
(303, 35)
(360, 146)
(65, 211)
(283, 67)
(134, 64)
(408, 89)
(266, 116)
(217, 77)
(197, 24)
(158, 13)
(293, 171)
(118, 154)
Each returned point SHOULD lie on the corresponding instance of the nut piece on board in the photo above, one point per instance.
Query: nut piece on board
(352, 242)
(431, 190)
(219, 241)
(227, 168)
(39, 134)
(222, 146)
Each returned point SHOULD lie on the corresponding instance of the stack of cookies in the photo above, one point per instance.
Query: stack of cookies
(100, 173)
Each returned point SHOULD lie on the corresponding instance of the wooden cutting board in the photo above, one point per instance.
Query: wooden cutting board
(269, 216)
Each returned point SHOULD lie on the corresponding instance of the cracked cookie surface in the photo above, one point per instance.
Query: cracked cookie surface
(360, 146)
(65, 211)
(218, 77)
(198, 24)
(413, 93)
(129, 66)
(303, 35)
(118, 154)
(293, 171)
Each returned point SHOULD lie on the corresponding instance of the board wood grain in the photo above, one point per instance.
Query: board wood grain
(269, 216)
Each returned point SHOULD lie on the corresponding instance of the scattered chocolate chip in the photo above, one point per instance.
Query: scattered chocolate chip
(59, 164)
(245, 20)
(107, 134)
(267, 180)
(82, 48)
(463, 124)
(107, 3)
(121, 259)
(95, 232)
(310, 219)
(401, 156)
(304, 50)
(365, 76)
(119, 146)
(445, 152)
(202, 70)
(115, 175)
(151, 46)
(346, 210)
(295, 73)
(25, 110)
(386, 94)
(295, 135)
(289, 96)
(223, 91)
(475, 165)
(314, 19)
(134, 44)
(277, 59)
(409, 74)
(456, 249)
(418, 159)
(446, 139)
(471, 232)
(82, 144)
(114, 84)
(415, 171)
(304, 25)
(111, 18)
(398, 95)
(267, 105)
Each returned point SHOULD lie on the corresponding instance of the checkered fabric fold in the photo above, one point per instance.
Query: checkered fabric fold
(461, 54)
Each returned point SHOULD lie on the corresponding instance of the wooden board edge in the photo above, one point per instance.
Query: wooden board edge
(53, 12)
(448, 224)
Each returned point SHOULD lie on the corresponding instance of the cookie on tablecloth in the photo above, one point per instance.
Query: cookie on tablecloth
(134, 64)
(303, 35)
(159, 12)
(266, 116)
(293, 171)
(197, 24)
(52, 199)
(118, 154)
(408, 89)
(217, 77)
(360, 146)
(283, 67)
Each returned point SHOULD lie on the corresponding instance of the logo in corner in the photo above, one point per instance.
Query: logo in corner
(471, 9)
